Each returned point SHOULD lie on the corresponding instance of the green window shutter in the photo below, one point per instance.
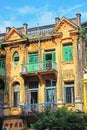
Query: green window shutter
(36, 59)
(33, 58)
(70, 52)
(54, 57)
(33, 62)
(43, 57)
(67, 53)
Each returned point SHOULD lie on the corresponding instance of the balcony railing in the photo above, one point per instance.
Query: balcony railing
(38, 67)
(27, 109)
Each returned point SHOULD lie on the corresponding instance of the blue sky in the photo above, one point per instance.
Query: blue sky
(14, 13)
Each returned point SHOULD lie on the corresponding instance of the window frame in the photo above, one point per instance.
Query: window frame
(67, 48)
(16, 94)
(69, 98)
(52, 88)
(16, 58)
(53, 56)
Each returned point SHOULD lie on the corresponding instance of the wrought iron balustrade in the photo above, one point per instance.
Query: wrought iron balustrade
(38, 67)
(37, 107)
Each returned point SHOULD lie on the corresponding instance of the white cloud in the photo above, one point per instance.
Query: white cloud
(27, 10)
(70, 10)
(2, 29)
(46, 17)
(41, 15)
(84, 16)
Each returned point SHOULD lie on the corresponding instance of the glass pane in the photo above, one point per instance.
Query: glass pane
(48, 83)
(16, 58)
(33, 58)
(50, 95)
(16, 87)
(53, 83)
(16, 99)
(16, 94)
(48, 57)
(69, 94)
(33, 85)
(34, 98)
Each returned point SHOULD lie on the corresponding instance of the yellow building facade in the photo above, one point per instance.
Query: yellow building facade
(43, 69)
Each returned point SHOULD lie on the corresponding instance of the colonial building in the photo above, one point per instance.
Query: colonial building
(40, 67)
(84, 25)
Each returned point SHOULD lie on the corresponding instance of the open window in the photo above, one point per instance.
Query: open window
(50, 92)
(49, 59)
(16, 94)
(69, 95)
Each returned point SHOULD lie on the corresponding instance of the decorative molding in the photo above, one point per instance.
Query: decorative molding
(68, 74)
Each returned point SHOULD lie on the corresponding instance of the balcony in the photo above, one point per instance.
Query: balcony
(30, 109)
(38, 67)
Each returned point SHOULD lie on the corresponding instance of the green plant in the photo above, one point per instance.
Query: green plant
(61, 119)
(83, 33)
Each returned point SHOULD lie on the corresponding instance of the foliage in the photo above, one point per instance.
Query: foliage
(83, 33)
(61, 119)
(26, 36)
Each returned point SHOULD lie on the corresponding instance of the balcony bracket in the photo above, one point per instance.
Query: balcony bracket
(40, 78)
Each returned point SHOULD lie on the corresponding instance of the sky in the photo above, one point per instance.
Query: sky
(14, 13)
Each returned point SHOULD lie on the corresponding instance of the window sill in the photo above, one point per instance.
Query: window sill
(70, 62)
(69, 104)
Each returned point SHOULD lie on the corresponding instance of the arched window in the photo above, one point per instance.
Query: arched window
(16, 94)
(16, 58)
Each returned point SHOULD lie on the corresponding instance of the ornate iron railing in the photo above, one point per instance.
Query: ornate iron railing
(37, 107)
(38, 67)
